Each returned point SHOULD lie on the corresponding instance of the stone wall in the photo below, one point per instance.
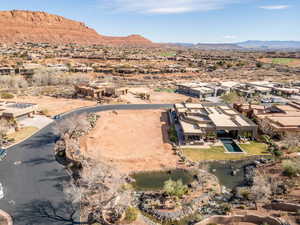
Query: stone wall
(255, 219)
(284, 206)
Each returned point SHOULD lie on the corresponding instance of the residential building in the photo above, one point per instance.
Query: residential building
(201, 121)
(280, 120)
(98, 90)
(201, 90)
(17, 111)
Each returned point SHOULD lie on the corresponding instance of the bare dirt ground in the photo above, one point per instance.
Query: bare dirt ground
(53, 105)
(156, 97)
(286, 216)
(131, 141)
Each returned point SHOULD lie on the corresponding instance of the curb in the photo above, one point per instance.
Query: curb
(66, 114)
(7, 217)
(19, 142)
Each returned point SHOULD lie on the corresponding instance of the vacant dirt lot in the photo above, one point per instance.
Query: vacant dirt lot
(53, 105)
(131, 140)
(156, 97)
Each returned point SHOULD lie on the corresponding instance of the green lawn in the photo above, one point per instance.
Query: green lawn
(22, 134)
(282, 61)
(168, 54)
(165, 90)
(255, 148)
(219, 153)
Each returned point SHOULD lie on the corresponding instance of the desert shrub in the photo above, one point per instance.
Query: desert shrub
(232, 97)
(242, 207)
(6, 95)
(173, 134)
(175, 188)
(290, 168)
(131, 215)
(266, 139)
(277, 152)
(245, 193)
(45, 112)
(226, 208)
(198, 217)
(259, 64)
(274, 149)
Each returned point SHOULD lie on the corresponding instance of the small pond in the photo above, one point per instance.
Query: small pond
(224, 172)
(155, 180)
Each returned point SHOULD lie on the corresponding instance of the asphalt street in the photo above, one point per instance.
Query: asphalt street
(33, 180)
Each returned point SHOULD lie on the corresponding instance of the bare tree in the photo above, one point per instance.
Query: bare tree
(261, 189)
(4, 127)
(99, 190)
(14, 82)
(266, 128)
(71, 126)
(291, 141)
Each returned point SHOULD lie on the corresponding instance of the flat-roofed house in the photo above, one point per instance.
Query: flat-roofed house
(99, 90)
(281, 119)
(17, 111)
(199, 121)
(200, 90)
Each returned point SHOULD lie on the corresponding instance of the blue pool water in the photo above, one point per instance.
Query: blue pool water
(231, 146)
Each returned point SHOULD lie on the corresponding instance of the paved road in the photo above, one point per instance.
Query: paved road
(33, 188)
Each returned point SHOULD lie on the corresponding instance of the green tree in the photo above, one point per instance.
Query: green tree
(291, 168)
(131, 215)
(175, 188)
(259, 64)
(233, 97)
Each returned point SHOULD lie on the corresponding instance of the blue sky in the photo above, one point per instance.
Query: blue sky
(179, 20)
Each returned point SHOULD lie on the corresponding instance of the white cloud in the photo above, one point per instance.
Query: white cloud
(274, 7)
(230, 37)
(167, 6)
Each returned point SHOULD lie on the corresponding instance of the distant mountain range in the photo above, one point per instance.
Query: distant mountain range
(257, 45)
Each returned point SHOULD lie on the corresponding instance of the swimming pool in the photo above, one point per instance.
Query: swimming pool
(231, 146)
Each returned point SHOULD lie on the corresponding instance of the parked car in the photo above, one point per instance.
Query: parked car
(57, 117)
(2, 154)
(266, 100)
(1, 191)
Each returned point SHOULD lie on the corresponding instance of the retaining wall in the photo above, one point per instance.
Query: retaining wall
(290, 207)
(239, 218)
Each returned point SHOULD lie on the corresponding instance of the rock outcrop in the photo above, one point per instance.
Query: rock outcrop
(41, 27)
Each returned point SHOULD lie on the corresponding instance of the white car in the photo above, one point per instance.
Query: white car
(1, 191)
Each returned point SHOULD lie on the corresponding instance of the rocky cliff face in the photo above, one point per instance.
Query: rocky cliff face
(28, 26)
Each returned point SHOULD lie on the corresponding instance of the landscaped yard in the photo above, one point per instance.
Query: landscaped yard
(283, 61)
(168, 54)
(219, 153)
(22, 134)
(255, 148)
(169, 90)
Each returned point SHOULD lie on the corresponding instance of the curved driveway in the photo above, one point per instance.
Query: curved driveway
(33, 180)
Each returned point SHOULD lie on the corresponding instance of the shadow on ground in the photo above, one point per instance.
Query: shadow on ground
(44, 212)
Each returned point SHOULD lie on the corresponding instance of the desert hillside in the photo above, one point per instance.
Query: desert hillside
(28, 26)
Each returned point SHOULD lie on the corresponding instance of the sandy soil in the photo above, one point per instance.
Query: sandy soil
(288, 217)
(155, 97)
(55, 105)
(131, 141)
